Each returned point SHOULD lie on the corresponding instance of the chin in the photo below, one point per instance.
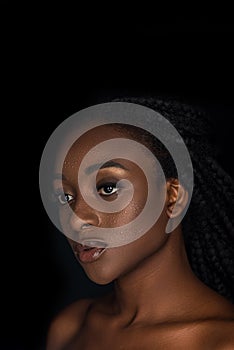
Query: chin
(101, 276)
(101, 280)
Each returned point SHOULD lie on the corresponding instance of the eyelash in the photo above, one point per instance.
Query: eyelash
(66, 198)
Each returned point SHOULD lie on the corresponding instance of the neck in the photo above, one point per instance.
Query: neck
(162, 285)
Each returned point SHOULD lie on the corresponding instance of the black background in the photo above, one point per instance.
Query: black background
(56, 65)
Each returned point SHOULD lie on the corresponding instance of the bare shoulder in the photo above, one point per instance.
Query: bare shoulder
(220, 330)
(67, 324)
(213, 334)
(219, 335)
(217, 331)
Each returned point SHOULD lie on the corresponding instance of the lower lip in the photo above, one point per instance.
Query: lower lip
(87, 256)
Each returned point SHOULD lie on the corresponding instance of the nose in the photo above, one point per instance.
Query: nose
(83, 216)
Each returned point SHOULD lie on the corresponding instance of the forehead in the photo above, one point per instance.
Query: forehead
(85, 143)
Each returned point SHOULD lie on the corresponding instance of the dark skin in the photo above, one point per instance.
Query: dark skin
(157, 302)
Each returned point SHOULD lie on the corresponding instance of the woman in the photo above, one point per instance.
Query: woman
(171, 291)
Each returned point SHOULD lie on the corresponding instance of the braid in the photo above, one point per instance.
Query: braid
(208, 226)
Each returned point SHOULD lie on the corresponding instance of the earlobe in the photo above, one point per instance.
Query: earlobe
(177, 198)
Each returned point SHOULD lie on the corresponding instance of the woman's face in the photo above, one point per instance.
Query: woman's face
(105, 265)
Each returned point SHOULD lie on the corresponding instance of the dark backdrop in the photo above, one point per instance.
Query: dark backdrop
(67, 66)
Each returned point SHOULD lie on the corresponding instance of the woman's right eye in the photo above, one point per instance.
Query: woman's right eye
(65, 198)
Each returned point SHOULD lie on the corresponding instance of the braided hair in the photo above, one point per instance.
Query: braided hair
(208, 226)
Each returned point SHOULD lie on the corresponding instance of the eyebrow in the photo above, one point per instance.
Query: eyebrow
(109, 164)
(92, 168)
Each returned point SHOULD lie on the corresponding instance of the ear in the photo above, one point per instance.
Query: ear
(176, 194)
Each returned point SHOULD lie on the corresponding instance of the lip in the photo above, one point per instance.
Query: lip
(87, 254)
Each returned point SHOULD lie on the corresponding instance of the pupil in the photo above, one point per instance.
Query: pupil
(109, 189)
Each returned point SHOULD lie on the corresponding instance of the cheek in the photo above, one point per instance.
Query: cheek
(128, 214)
(121, 218)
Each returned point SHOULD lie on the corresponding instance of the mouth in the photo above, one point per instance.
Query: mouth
(87, 254)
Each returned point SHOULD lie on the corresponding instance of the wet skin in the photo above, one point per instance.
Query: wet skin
(157, 301)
